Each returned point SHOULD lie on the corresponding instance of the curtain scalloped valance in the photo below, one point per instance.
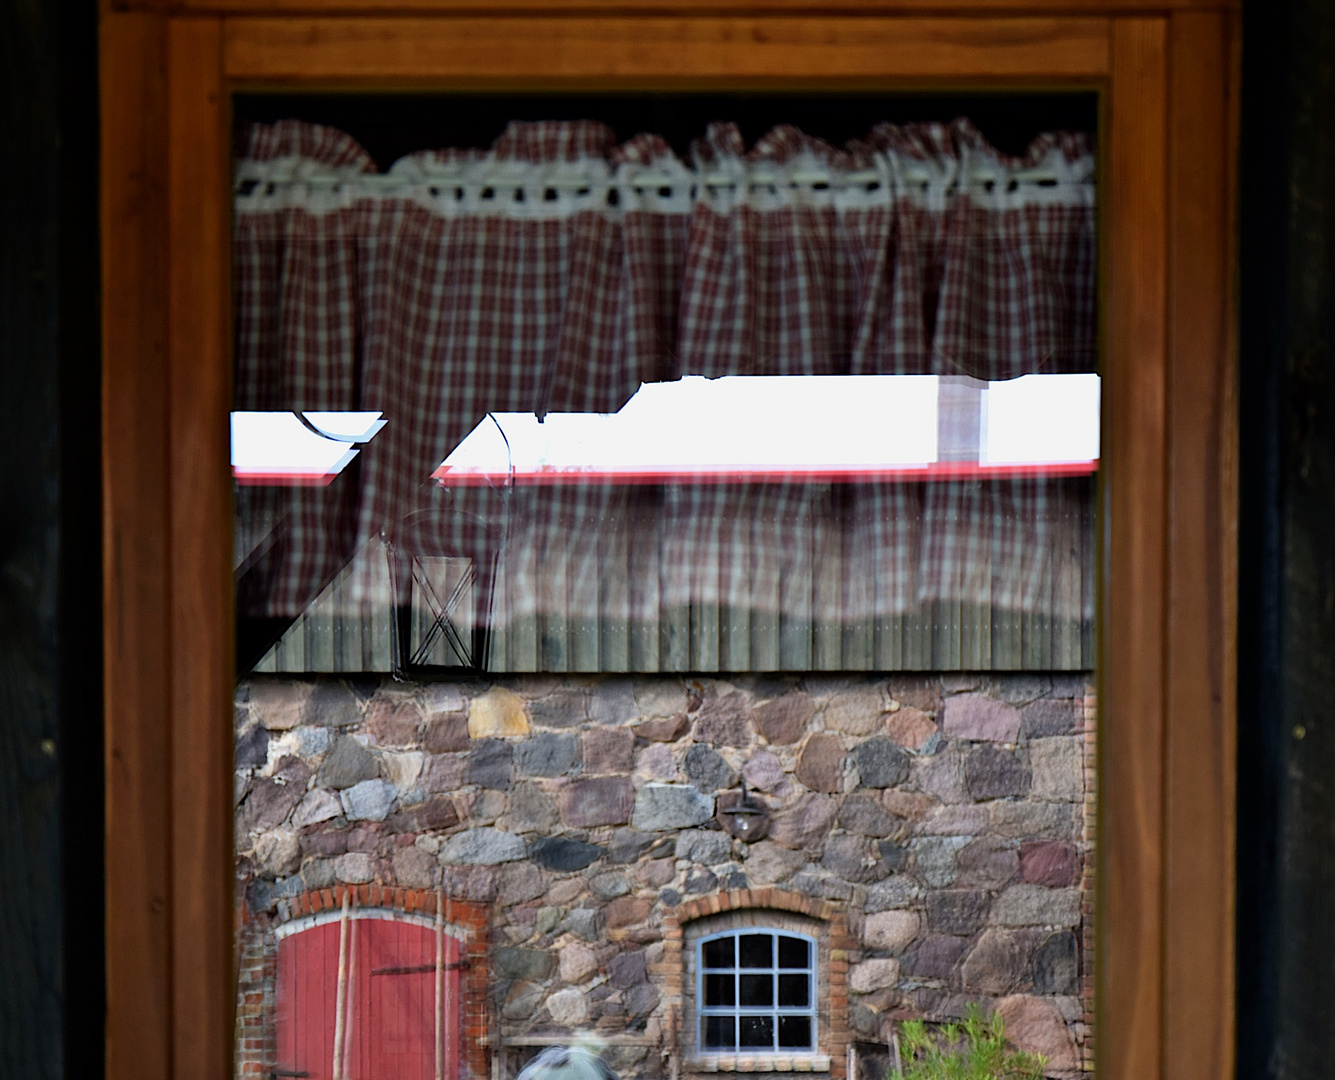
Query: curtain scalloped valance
(557, 272)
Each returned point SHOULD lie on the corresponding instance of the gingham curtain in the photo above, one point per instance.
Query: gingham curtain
(547, 275)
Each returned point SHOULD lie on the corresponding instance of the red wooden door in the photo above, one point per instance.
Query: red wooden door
(390, 1010)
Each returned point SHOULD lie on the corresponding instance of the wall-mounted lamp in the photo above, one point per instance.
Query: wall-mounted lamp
(742, 815)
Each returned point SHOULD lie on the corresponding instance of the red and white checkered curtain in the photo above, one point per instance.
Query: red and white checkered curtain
(560, 270)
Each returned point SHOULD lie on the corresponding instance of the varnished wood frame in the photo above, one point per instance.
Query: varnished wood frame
(1166, 863)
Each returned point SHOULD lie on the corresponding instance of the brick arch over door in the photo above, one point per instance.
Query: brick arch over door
(391, 997)
(835, 944)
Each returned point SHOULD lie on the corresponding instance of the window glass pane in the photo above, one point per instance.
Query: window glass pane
(757, 989)
(756, 950)
(757, 1031)
(795, 1032)
(793, 952)
(720, 1033)
(721, 952)
(720, 989)
(794, 989)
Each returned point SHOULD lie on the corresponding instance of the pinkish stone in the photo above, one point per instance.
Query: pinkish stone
(910, 727)
(446, 733)
(784, 720)
(724, 721)
(1053, 863)
(764, 771)
(981, 719)
(805, 825)
(608, 750)
(820, 767)
(1035, 1025)
(393, 723)
(663, 730)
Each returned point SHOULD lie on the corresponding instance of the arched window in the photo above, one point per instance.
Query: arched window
(388, 982)
(757, 992)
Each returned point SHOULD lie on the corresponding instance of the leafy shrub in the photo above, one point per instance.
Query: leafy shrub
(973, 1050)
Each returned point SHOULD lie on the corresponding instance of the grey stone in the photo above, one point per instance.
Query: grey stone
(853, 859)
(936, 957)
(942, 775)
(659, 807)
(530, 810)
(277, 853)
(519, 882)
(512, 963)
(881, 763)
(627, 969)
(856, 711)
(968, 820)
(484, 807)
(415, 868)
(784, 720)
(1035, 820)
(821, 886)
(546, 754)
(522, 1000)
(897, 891)
(563, 856)
(318, 874)
(894, 855)
(670, 897)
(1019, 689)
(872, 975)
(491, 764)
(605, 800)
(993, 773)
(332, 704)
(934, 859)
(609, 885)
(567, 1007)
(999, 963)
(481, 847)
(805, 824)
(1056, 967)
(371, 800)
(986, 862)
(1058, 766)
(613, 703)
(475, 883)
(1034, 905)
(707, 770)
(252, 748)
(317, 806)
(724, 721)
(311, 741)
(356, 868)
(820, 766)
(347, 764)
(629, 844)
(866, 816)
(768, 864)
(640, 1000)
(1049, 716)
(584, 923)
(608, 750)
(444, 698)
(705, 846)
(700, 881)
(561, 709)
(956, 911)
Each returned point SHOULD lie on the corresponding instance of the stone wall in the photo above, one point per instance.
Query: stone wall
(946, 820)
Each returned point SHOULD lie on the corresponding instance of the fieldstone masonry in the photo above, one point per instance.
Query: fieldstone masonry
(946, 821)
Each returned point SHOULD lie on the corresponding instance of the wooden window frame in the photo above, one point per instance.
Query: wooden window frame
(1167, 74)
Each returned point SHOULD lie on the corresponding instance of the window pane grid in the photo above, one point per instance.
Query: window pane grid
(756, 992)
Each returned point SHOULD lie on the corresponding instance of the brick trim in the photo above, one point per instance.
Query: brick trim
(473, 918)
(672, 970)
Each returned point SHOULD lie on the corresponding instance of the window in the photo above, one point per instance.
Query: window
(757, 992)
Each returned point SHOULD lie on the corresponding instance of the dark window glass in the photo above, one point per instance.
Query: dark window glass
(719, 990)
(757, 990)
(720, 1033)
(795, 1032)
(794, 990)
(757, 950)
(794, 953)
(720, 952)
(758, 1031)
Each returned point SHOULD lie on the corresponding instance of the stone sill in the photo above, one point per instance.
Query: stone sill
(759, 1063)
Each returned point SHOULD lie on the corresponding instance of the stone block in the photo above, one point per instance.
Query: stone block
(993, 773)
(415, 868)
(707, 770)
(1034, 905)
(891, 931)
(562, 855)
(999, 963)
(658, 872)
(1059, 769)
(474, 883)
(482, 846)
(277, 853)
(371, 800)
(881, 763)
(763, 771)
(252, 748)
(626, 911)
(317, 806)
(852, 858)
(1051, 716)
(393, 722)
(346, 764)
(519, 882)
(866, 816)
(567, 1007)
(820, 766)
(658, 762)
(987, 863)
(437, 812)
(1035, 820)
(1056, 965)
(443, 772)
(599, 801)
(608, 750)
(561, 709)
(856, 711)
(640, 1000)
(444, 698)
(585, 923)
(626, 969)
(934, 859)
(1033, 1024)
(981, 719)
(872, 975)
(577, 963)
(514, 963)
(629, 844)
(530, 810)
(355, 868)
(446, 733)
(911, 728)
(491, 764)
(784, 720)
(660, 807)
(522, 999)
(936, 957)
(609, 885)
(897, 891)
(271, 800)
(942, 776)
(497, 714)
(333, 704)
(613, 703)
(768, 864)
(1054, 863)
(324, 842)
(279, 704)
(724, 721)
(664, 729)
(546, 753)
(708, 847)
(956, 911)
(806, 824)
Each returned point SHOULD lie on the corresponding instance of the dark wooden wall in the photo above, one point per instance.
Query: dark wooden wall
(50, 616)
(1286, 747)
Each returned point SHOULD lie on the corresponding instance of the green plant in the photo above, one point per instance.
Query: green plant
(973, 1050)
